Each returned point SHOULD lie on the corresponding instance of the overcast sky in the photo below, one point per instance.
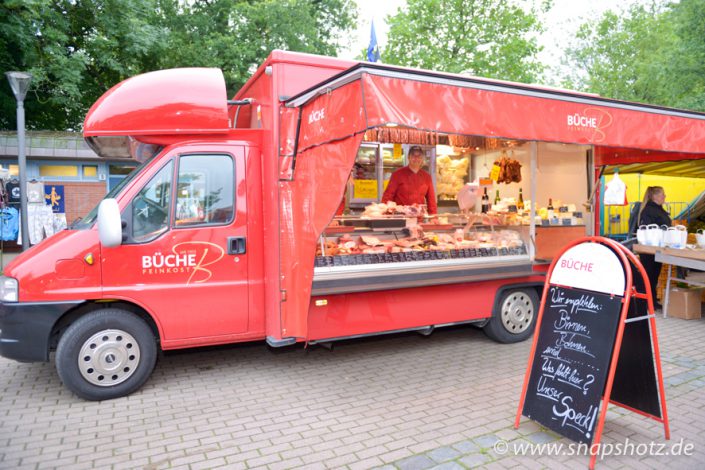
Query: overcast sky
(560, 23)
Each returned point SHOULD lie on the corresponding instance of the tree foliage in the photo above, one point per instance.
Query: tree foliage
(481, 37)
(649, 53)
(77, 49)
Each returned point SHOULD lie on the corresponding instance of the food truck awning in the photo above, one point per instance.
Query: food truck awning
(369, 95)
(321, 130)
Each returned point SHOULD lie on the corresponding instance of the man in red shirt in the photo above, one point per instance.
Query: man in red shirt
(411, 184)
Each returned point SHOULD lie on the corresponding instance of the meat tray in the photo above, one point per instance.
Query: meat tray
(338, 229)
(376, 223)
(437, 226)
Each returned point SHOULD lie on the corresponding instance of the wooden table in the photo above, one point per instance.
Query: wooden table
(686, 258)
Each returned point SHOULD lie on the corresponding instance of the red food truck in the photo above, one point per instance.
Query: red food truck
(228, 231)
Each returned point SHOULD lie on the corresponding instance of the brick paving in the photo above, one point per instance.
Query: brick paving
(402, 402)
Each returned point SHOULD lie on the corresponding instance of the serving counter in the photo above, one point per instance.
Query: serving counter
(689, 258)
(372, 257)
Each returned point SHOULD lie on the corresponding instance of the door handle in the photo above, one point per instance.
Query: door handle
(237, 246)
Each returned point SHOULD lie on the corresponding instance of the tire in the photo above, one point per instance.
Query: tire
(514, 317)
(108, 353)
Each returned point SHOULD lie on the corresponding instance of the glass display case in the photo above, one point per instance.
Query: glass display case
(452, 172)
(364, 187)
(416, 254)
(392, 159)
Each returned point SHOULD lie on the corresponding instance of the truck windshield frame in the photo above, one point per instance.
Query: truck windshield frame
(90, 219)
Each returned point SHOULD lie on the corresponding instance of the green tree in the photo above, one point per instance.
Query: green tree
(652, 54)
(481, 37)
(688, 69)
(238, 36)
(77, 49)
(624, 56)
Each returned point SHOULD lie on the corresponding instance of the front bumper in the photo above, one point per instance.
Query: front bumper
(25, 328)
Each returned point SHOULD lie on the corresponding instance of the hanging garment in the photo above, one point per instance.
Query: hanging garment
(9, 223)
(4, 200)
(40, 221)
(59, 221)
(35, 192)
(13, 191)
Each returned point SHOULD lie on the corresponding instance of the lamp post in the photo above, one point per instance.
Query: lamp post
(19, 82)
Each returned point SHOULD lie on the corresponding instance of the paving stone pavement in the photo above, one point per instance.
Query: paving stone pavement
(402, 402)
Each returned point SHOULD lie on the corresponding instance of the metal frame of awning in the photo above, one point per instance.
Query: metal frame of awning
(355, 73)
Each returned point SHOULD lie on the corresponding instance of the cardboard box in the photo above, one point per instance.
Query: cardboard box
(684, 303)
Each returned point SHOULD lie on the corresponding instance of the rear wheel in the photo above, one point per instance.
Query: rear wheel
(106, 354)
(515, 317)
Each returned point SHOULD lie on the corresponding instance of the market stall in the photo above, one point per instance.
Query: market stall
(552, 134)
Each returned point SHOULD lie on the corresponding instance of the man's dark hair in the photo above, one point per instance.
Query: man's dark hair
(416, 149)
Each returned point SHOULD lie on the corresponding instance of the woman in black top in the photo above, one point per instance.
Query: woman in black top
(652, 212)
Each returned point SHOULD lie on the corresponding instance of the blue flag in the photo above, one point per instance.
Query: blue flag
(373, 48)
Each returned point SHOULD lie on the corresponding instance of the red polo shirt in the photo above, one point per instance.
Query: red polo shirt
(406, 187)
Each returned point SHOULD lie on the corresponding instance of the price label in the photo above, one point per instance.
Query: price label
(397, 153)
(512, 208)
(563, 209)
(494, 173)
(365, 189)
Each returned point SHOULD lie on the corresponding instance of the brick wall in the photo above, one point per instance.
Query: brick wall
(80, 197)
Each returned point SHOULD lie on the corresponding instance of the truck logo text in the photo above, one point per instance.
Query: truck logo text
(582, 121)
(190, 258)
(591, 119)
(316, 116)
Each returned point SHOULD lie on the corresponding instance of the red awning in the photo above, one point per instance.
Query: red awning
(368, 96)
(322, 130)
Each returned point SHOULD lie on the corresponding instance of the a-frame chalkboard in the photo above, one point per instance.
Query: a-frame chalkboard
(592, 324)
(571, 361)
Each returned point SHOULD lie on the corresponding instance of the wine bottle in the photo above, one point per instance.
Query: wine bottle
(549, 209)
(485, 202)
(520, 203)
(496, 197)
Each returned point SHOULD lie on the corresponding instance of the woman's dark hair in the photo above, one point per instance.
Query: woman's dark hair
(649, 194)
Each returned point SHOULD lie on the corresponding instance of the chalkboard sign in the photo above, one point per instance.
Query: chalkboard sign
(570, 365)
(635, 381)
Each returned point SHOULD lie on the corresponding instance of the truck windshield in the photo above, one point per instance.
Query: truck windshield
(88, 221)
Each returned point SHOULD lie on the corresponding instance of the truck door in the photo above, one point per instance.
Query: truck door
(184, 255)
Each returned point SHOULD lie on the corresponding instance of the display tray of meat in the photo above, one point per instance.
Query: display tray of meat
(390, 208)
(335, 229)
(349, 250)
(381, 223)
(436, 226)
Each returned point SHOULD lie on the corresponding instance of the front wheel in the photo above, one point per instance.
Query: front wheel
(106, 354)
(515, 317)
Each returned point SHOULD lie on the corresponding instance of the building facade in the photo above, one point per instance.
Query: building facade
(63, 161)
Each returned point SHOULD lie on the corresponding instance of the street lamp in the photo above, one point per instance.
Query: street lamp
(19, 82)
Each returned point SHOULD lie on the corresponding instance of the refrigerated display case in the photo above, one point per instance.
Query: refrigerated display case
(393, 158)
(452, 172)
(365, 176)
(366, 258)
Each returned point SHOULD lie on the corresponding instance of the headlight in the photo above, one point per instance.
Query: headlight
(8, 289)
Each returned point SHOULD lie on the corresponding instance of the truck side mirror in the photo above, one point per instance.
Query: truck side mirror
(109, 223)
